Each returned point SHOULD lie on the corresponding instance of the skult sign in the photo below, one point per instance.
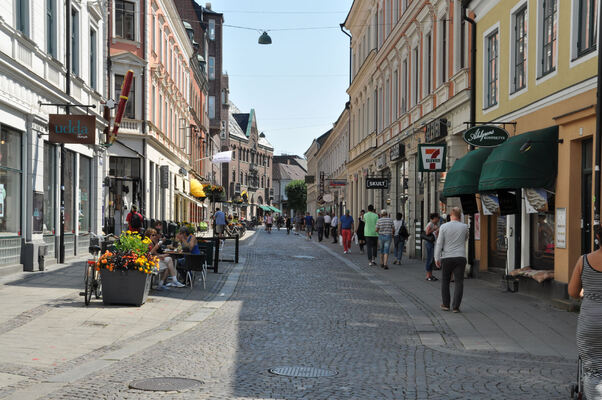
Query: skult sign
(72, 128)
(377, 183)
(485, 136)
(431, 157)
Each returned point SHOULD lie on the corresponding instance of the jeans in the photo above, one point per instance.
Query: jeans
(456, 266)
(320, 230)
(326, 230)
(371, 243)
(384, 244)
(334, 234)
(430, 254)
(346, 233)
(399, 246)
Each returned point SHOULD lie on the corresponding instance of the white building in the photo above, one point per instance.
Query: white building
(37, 67)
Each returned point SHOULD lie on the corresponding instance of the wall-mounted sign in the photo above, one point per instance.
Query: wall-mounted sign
(561, 228)
(377, 183)
(337, 182)
(72, 128)
(397, 151)
(431, 157)
(321, 182)
(381, 162)
(164, 175)
(436, 130)
(310, 179)
(485, 136)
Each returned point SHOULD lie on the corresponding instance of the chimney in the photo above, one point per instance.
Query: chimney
(208, 6)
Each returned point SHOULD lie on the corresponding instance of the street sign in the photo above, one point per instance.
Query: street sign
(377, 183)
(431, 157)
(485, 136)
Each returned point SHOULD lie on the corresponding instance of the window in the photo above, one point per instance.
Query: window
(74, 41)
(125, 19)
(416, 81)
(387, 107)
(548, 54)
(50, 166)
(443, 63)
(51, 42)
(233, 175)
(395, 96)
(519, 80)
(161, 45)
(130, 106)
(211, 68)
(212, 107)
(492, 69)
(68, 170)
(153, 31)
(85, 168)
(586, 41)
(22, 16)
(404, 85)
(93, 59)
(429, 61)
(160, 119)
(211, 29)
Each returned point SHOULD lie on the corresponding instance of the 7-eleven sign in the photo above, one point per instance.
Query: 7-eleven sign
(431, 157)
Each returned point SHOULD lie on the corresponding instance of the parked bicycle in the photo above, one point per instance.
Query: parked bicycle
(92, 276)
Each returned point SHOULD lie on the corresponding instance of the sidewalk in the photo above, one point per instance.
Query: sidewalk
(45, 328)
(492, 319)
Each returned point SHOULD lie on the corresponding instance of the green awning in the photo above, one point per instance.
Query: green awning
(275, 210)
(265, 208)
(463, 177)
(509, 168)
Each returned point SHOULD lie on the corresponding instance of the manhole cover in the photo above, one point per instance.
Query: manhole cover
(165, 384)
(302, 372)
(305, 257)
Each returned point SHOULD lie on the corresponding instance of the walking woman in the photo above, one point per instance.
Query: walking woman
(432, 230)
(586, 282)
(399, 237)
(361, 238)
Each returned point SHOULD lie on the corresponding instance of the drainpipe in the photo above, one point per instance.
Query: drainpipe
(348, 105)
(598, 149)
(342, 25)
(473, 117)
(143, 123)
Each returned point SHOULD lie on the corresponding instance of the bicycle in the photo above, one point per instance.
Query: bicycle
(92, 282)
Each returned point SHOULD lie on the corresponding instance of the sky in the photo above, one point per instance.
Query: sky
(297, 85)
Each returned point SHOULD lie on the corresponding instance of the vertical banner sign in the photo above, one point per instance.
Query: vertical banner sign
(431, 157)
(123, 98)
(321, 183)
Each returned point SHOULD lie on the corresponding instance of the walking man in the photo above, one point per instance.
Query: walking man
(320, 226)
(327, 220)
(346, 227)
(309, 225)
(134, 219)
(385, 229)
(370, 219)
(450, 255)
(334, 223)
(220, 222)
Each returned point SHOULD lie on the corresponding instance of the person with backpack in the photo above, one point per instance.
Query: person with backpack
(134, 219)
(400, 236)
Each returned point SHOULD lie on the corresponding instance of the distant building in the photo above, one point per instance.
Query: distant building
(286, 168)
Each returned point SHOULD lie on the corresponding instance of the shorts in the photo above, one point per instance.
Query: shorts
(384, 244)
(219, 229)
(268, 225)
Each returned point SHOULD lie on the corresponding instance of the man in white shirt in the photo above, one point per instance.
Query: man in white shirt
(334, 223)
(327, 220)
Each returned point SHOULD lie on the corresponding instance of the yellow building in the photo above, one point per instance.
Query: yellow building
(536, 67)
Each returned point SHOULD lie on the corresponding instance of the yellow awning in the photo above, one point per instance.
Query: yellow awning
(196, 188)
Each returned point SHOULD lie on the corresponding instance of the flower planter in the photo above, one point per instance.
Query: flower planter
(128, 287)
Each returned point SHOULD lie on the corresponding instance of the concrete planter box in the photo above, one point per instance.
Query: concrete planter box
(128, 287)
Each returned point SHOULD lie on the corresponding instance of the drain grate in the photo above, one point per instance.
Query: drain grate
(165, 384)
(302, 372)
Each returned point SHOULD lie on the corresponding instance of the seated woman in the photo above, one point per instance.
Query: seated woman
(166, 265)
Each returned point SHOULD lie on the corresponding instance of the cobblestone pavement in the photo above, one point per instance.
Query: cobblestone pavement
(297, 305)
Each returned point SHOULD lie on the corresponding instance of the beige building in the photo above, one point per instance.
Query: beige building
(409, 86)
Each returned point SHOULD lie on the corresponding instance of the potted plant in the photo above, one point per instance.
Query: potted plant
(126, 271)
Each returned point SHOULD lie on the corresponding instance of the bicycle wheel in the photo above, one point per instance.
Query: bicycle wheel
(97, 285)
(89, 282)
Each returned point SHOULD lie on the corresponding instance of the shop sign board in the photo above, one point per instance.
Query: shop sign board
(431, 157)
(164, 174)
(485, 136)
(337, 182)
(321, 182)
(561, 228)
(381, 161)
(310, 179)
(436, 130)
(72, 128)
(397, 151)
(377, 183)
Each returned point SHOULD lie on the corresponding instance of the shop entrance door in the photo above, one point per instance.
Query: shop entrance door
(586, 195)
(498, 243)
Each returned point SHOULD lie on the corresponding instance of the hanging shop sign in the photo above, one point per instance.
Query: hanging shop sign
(377, 183)
(321, 182)
(397, 151)
(485, 136)
(381, 162)
(436, 130)
(431, 157)
(337, 183)
(72, 128)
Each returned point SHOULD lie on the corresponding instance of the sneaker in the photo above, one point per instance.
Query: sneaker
(161, 287)
(444, 308)
(175, 284)
(348, 251)
(344, 251)
(456, 310)
(385, 267)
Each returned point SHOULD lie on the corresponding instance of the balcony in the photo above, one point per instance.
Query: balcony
(129, 126)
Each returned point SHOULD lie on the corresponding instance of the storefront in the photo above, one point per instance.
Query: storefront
(123, 188)
(11, 200)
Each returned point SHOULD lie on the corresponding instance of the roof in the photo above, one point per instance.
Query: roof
(291, 159)
(282, 172)
(262, 141)
(242, 119)
(323, 138)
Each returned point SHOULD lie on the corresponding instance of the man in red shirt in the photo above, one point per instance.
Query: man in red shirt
(134, 219)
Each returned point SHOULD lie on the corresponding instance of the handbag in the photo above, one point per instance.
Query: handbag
(403, 232)
(429, 238)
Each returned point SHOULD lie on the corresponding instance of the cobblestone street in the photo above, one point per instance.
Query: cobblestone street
(297, 303)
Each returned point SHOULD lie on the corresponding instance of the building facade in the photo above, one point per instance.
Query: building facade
(251, 165)
(285, 169)
(409, 86)
(315, 187)
(40, 67)
(538, 72)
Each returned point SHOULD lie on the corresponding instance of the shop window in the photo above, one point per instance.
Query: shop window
(85, 165)
(542, 237)
(49, 189)
(10, 181)
(68, 170)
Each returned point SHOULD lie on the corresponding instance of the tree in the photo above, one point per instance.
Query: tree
(296, 191)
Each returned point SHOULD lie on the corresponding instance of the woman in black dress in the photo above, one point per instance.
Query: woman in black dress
(361, 239)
